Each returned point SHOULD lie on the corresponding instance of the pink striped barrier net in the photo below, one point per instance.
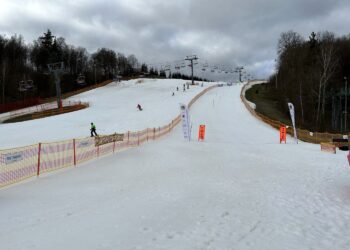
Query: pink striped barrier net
(18, 164)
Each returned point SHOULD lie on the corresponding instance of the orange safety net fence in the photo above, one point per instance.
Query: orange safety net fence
(304, 135)
(18, 164)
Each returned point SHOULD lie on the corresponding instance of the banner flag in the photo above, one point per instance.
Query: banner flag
(104, 139)
(292, 116)
(201, 133)
(283, 133)
(186, 129)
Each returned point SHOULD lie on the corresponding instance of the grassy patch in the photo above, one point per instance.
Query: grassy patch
(267, 104)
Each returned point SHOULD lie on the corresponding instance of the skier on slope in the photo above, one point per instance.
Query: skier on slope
(139, 107)
(93, 129)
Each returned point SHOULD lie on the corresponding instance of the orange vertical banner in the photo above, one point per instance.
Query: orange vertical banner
(283, 132)
(201, 133)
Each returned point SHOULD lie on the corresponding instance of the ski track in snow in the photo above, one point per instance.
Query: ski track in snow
(239, 189)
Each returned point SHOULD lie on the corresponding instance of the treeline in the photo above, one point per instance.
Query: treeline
(312, 74)
(154, 73)
(24, 71)
(177, 75)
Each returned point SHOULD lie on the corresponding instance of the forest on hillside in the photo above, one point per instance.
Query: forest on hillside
(24, 68)
(24, 71)
(312, 73)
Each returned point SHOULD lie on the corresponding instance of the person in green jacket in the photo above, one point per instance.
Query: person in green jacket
(93, 129)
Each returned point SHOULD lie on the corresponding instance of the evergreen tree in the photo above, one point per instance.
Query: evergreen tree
(162, 74)
(144, 68)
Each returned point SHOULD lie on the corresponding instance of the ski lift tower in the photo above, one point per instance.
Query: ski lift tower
(239, 70)
(56, 69)
(191, 59)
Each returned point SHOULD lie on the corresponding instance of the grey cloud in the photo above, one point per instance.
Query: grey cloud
(220, 32)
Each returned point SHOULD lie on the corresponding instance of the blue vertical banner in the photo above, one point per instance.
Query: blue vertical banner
(186, 129)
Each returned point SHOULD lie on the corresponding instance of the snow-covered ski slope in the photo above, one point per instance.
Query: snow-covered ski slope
(239, 189)
(112, 109)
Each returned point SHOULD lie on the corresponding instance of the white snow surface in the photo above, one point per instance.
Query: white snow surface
(112, 109)
(239, 189)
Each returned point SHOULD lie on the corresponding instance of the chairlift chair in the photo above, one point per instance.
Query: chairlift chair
(81, 80)
(24, 86)
(21, 86)
(29, 85)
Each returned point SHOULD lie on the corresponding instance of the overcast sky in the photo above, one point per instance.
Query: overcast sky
(229, 32)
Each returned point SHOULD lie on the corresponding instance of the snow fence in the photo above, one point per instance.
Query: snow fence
(304, 135)
(39, 108)
(18, 164)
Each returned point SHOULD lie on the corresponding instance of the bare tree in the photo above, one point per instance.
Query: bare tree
(4, 64)
(328, 64)
(132, 61)
(288, 40)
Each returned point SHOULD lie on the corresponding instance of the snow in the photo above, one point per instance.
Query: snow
(112, 109)
(239, 189)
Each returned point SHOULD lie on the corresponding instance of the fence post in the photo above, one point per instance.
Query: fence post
(75, 158)
(39, 152)
(128, 137)
(154, 133)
